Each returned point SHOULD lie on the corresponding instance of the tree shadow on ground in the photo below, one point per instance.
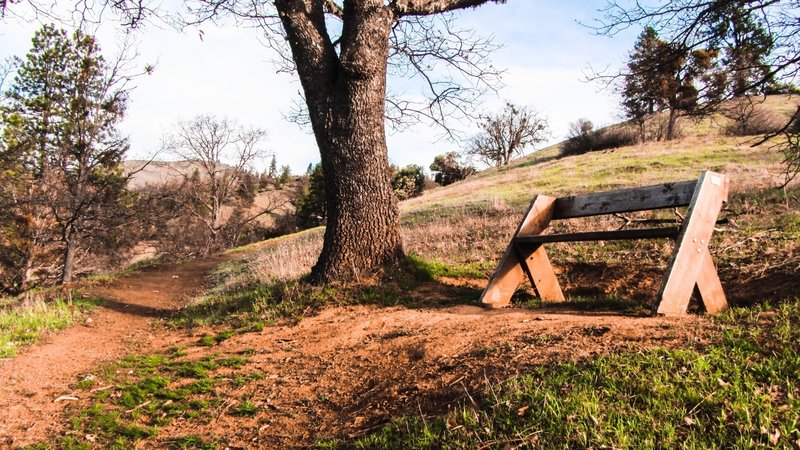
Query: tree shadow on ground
(136, 309)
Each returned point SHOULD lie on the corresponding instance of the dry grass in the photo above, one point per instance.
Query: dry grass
(287, 260)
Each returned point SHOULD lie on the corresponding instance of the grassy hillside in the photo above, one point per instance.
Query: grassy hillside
(406, 361)
(703, 147)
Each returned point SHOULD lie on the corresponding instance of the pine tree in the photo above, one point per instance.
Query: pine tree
(273, 168)
(665, 76)
(60, 131)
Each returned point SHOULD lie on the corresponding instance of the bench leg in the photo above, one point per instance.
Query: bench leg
(509, 272)
(542, 276)
(688, 262)
(710, 288)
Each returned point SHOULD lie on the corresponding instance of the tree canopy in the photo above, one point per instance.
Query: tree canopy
(62, 148)
(506, 134)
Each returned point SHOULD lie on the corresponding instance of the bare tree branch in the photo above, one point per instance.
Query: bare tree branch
(430, 7)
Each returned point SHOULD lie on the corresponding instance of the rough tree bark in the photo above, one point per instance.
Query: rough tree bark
(345, 96)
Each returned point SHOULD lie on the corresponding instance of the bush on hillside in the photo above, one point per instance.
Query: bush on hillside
(583, 138)
(408, 182)
(748, 119)
(449, 168)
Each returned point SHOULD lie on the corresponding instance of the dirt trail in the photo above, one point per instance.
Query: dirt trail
(122, 324)
(339, 374)
(350, 370)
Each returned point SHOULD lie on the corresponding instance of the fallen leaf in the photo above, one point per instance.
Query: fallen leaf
(521, 412)
(359, 421)
(688, 421)
(775, 437)
(722, 383)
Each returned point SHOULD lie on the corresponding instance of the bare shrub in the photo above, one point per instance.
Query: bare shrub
(584, 139)
(748, 119)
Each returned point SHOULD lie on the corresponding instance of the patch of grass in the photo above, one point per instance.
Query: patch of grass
(141, 265)
(25, 321)
(739, 392)
(433, 269)
(150, 391)
(251, 306)
(245, 408)
(609, 303)
(234, 361)
(192, 442)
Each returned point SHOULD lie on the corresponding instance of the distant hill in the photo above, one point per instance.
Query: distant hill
(704, 145)
(157, 173)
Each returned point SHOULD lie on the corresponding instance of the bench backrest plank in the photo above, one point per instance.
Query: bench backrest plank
(658, 196)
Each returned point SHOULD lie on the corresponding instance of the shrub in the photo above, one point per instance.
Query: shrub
(448, 169)
(583, 138)
(750, 119)
(408, 182)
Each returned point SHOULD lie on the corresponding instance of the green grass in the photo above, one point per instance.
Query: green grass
(739, 392)
(149, 392)
(24, 323)
(433, 269)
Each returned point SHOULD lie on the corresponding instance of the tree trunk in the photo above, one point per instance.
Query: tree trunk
(363, 223)
(671, 122)
(345, 95)
(69, 256)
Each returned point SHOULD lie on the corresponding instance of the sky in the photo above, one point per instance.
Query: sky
(546, 52)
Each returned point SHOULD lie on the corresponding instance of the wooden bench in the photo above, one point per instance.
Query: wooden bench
(690, 265)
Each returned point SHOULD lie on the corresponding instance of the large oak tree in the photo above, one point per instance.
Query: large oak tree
(341, 53)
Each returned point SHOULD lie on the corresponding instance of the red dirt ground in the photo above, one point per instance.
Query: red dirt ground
(339, 374)
(122, 325)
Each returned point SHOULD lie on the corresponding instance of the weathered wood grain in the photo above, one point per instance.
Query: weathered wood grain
(617, 235)
(509, 272)
(688, 258)
(657, 196)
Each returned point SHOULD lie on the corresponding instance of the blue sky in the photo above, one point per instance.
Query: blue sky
(545, 53)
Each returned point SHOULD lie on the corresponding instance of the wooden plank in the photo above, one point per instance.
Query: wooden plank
(691, 247)
(625, 200)
(509, 272)
(542, 276)
(710, 287)
(645, 233)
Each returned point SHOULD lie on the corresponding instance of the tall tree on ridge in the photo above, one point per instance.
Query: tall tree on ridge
(664, 76)
(60, 124)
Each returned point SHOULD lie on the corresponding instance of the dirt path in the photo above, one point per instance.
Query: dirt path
(338, 374)
(349, 370)
(121, 325)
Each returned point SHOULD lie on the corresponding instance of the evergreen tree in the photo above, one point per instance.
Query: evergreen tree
(665, 76)
(311, 206)
(273, 168)
(59, 129)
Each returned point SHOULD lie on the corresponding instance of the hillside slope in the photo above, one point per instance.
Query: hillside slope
(265, 361)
